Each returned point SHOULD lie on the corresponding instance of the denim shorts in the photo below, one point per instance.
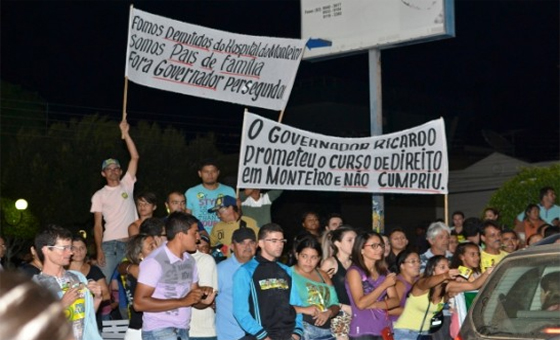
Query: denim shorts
(169, 333)
(114, 252)
(409, 334)
(316, 333)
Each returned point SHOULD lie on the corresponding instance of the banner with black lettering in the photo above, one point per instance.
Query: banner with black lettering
(174, 56)
(277, 156)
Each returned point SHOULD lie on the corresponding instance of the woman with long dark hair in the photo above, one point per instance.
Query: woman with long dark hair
(428, 295)
(408, 269)
(467, 255)
(426, 299)
(315, 289)
(370, 287)
(341, 241)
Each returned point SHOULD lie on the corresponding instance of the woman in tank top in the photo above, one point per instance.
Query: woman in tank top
(407, 264)
(370, 287)
(428, 295)
(315, 289)
(341, 242)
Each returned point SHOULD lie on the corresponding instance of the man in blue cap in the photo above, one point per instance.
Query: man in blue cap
(230, 220)
(114, 203)
(243, 246)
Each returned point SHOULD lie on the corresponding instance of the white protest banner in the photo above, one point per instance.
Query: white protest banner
(174, 56)
(277, 156)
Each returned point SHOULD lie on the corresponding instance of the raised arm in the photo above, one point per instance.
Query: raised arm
(134, 156)
(454, 287)
(426, 283)
(98, 237)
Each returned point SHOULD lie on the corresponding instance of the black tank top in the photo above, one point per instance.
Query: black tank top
(338, 280)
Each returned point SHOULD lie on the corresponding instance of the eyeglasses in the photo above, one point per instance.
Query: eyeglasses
(63, 248)
(375, 246)
(275, 240)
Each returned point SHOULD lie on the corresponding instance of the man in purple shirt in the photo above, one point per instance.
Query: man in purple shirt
(168, 283)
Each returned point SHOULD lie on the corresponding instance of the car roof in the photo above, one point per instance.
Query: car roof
(536, 249)
(548, 240)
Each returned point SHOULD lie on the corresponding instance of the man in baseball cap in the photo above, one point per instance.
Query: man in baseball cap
(230, 220)
(243, 246)
(115, 204)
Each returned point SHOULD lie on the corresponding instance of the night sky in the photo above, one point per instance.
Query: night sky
(500, 72)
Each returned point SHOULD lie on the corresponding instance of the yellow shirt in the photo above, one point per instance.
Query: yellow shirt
(490, 260)
(222, 231)
(414, 311)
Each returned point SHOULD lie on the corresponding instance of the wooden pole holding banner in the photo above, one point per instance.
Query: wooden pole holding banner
(446, 209)
(376, 129)
(125, 96)
(237, 188)
(281, 116)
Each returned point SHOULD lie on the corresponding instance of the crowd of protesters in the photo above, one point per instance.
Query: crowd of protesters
(212, 269)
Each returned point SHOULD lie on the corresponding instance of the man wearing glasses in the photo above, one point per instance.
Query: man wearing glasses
(79, 297)
(114, 204)
(264, 296)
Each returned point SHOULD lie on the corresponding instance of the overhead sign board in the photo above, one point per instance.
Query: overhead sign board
(337, 27)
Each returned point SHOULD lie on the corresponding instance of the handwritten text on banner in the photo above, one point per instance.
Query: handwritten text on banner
(174, 56)
(412, 161)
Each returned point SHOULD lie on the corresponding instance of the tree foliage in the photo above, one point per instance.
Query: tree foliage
(57, 172)
(18, 228)
(514, 196)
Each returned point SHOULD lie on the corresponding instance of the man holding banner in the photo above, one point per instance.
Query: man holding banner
(114, 203)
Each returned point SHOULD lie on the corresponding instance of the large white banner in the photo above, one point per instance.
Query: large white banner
(174, 56)
(276, 156)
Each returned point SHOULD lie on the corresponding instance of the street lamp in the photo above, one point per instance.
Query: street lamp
(21, 205)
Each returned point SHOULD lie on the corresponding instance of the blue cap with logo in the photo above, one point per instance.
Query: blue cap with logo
(222, 202)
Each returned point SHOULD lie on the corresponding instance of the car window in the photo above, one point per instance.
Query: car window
(511, 303)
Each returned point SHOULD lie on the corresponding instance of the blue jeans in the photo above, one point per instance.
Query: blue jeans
(169, 333)
(114, 253)
(312, 332)
(409, 334)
